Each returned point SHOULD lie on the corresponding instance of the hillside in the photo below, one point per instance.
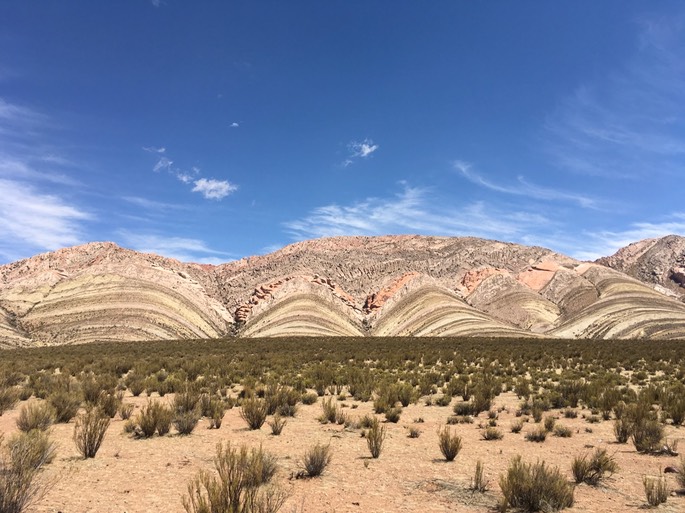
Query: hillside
(354, 286)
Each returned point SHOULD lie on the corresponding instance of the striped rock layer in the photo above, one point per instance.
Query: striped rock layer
(344, 286)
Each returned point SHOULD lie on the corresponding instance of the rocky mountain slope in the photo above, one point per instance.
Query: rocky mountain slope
(658, 262)
(354, 286)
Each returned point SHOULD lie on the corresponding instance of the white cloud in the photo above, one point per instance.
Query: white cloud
(163, 164)
(235, 125)
(214, 189)
(180, 248)
(359, 149)
(606, 242)
(31, 220)
(524, 188)
(414, 210)
(153, 149)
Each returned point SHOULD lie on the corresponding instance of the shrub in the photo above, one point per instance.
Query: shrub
(622, 430)
(185, 422)
(647, 436)
(414, 432)
(393, 414)
(570, 413)
(109, 404)
(492, 433)
(125, 410)
(89, 431)
(680, 476)
(8, 398)
(36, 415)
(217, 410)
(253, 412)
(375, 438)
(591, 470)
(537, 435)
(20, 464)
(562, 431)
(239, 485)
(277, 424)
(154, 417)
(330, 411)
(535, 487)
(517, 426)
(479, 483)
(316, 459)
(33, 449)
(656, 489)
(65, 405)
(549, 423)
(450, 444)
(309, 398)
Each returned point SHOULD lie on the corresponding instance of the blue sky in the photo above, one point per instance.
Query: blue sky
(208, 131)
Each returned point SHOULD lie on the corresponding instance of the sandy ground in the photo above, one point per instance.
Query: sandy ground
(137, 476)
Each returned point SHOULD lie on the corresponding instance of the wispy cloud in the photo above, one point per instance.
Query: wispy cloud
(152, 204)
(630, 124)
(606, 242)
(414, 210)
(31, 220)
(180, 248)
(524, 188)
(359, 150)
(235, 124)
(210, 188)
(214, 189)
(34, 214)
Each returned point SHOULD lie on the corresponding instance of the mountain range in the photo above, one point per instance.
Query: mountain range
(346, 286)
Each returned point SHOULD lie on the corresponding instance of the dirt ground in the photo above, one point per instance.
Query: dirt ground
(151, 475)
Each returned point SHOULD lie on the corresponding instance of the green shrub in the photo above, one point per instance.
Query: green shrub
(549, 423)
(20, 465)
(647, 436)
(277, 424)
(109, 404)
(154, 417)
(591, 470)
(33, 449)
(89, 431)
(8, 398)
(125, 411)
(329, 411)
(450, 444)
(316, 459)
(36, 415)
(538, 434)
(375, 438)
(656, 489)
(393, 414)
(186, 422)
(309, 398)
(253, 412)
(562, 431)
(516, 426)
(217, 410)
(239, 486)
(479, 483)
(535, 487)
(492, 433)
(65, 405)
(622, 430)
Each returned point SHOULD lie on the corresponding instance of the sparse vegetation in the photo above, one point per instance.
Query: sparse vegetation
(375, 437)
(449, 443)
(656, 489)
(253, 412)
(535, 487)
(89, 431)
(240, 485)
(591, 469)
(479, 483)
(316, 459)
(36, 415)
